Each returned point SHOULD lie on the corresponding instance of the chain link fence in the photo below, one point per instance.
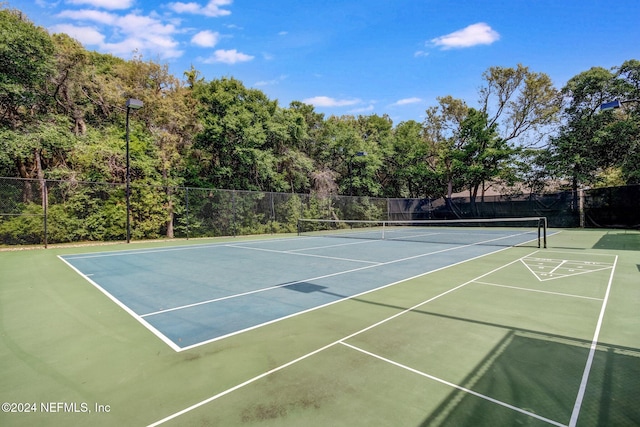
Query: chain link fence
(49, 211)
(612, 207)
(40, 212)
(561, 209)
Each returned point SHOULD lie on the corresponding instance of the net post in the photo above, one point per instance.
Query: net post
(542, 231)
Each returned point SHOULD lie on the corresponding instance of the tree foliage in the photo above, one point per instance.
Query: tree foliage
(591, 142)
(521, 102)
(26, 62)
(62, 117)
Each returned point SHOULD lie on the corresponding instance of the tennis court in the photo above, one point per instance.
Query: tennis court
(198, 294)
(319, 330)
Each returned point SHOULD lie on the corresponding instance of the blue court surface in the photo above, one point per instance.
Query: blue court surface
(192, 295)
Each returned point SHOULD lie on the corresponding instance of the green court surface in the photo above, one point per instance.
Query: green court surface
(507, 336)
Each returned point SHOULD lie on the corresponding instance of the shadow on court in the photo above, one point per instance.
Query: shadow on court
(539, 373)
(619, 240)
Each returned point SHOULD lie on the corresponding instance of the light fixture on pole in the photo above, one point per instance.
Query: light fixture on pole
(132, 104)
(615, 104)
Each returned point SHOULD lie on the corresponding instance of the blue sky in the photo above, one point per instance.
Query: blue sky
(355, 57)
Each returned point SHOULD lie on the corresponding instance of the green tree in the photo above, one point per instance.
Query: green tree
(441, 130)
(26, 62)
(231, 151)
(377, 134)
(523, 104)
(485, 156)
(36, 148)
(168, 118)
(626, 128)
(404, 164)
(354, 149)
(286, 136)
(313, 142)
(591, 142)
(67, 85)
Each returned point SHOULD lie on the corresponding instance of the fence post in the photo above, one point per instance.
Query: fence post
(272, 207)
(186, 204)
(233, 210)
(45, 203)
(581, 206)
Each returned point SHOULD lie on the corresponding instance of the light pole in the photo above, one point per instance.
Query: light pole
(358, 154)
(132, 104)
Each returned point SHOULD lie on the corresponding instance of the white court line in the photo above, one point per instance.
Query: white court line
(127, 252)
(594, 343)
(577, 261)
(529, 268)
(131, 252)
(125, 308)
(540, 291)
(361, 242)
(301, 254)
(255, 291)
(558, 266)
(389, 235)
(450, 384)
(551, 251)
(281, 367)
(460, 232)
(570, 274)
(576, 273)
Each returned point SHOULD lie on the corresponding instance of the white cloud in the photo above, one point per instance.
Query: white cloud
(185, 7)
(85, 35)
(271, 82)
(228, 57)
(420, 53)
(212, 9)
(325, 101)
(105, 4)
(206, 38)
(472, 35)
(407, 101)
(105, 18)
(144, 26)
(132, 32)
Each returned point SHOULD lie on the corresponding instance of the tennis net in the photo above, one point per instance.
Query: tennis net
(485, 231)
